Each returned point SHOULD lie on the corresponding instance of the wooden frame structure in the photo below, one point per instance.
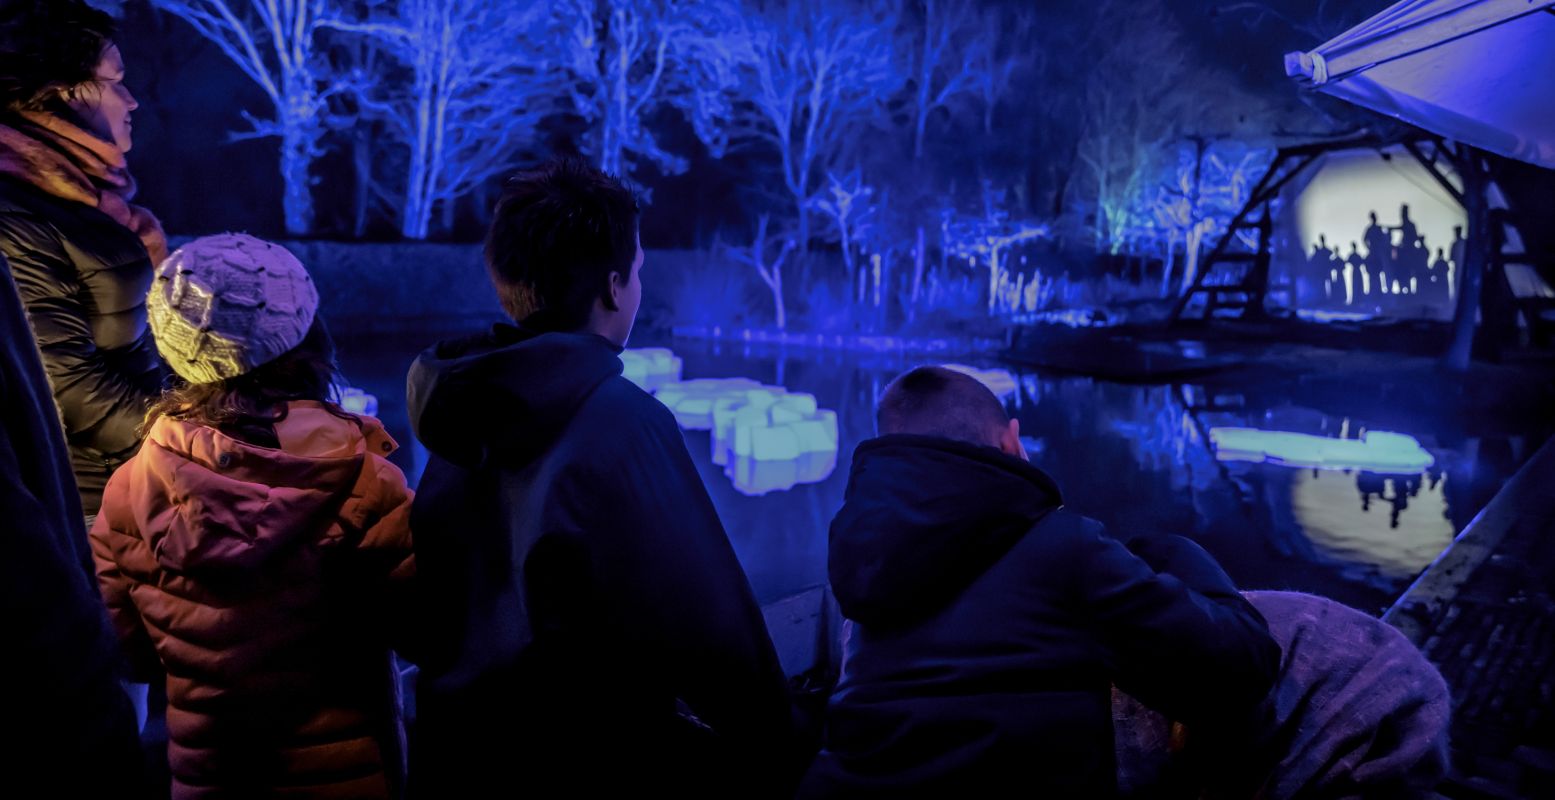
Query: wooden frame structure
(1226, 284)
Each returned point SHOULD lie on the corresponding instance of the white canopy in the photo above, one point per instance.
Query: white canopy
(1477, 71)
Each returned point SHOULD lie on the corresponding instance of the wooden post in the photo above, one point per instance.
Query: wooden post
(1471, 275)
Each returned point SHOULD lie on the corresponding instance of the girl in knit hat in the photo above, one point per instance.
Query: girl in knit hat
(257, 548)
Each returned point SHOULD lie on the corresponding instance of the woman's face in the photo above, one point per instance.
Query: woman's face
(104, 102)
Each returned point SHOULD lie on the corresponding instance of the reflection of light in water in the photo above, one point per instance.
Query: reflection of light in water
(1379, 451)
(765, 437)
(998, 381)
(650, 367)
(356, 401)
(1318, 315)
(1327, 506)
(1068, 317)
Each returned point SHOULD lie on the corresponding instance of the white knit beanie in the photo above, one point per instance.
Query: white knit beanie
(223, 305)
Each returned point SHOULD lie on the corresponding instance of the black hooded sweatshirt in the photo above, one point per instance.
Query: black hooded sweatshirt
(989, 624)
(582, 600)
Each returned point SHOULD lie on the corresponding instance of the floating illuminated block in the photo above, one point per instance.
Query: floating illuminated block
(755, 478)
(693, 401)
(1375, 451)
(782, 430)
(762, 427)
(356, 401)
(650, 367)
(998, 381)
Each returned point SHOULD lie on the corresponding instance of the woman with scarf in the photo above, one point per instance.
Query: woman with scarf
(80, 253)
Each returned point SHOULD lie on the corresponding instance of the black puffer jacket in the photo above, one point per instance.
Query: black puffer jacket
(83, 279)
(990, 624)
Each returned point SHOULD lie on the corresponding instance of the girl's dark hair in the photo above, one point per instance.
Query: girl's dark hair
(256, 400)
(47, 46)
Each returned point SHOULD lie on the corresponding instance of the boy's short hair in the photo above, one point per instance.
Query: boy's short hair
(558, 233)
(935, 401)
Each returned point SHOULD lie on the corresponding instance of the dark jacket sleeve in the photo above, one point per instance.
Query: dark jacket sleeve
(101, 406)
(77, 724)
(1178, 635)
(673, 577)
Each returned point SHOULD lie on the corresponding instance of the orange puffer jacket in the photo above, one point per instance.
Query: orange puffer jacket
(268, 583)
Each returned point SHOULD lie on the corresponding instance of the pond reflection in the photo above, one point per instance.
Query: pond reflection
(1136, 457)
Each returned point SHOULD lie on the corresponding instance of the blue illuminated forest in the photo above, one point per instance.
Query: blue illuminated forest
(1276, 277)
(847, 165)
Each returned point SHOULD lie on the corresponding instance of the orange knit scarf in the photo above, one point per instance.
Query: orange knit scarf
(70, 163)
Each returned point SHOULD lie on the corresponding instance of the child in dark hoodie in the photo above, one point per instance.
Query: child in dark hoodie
(590, 632)
(258, 545)
(989, 624)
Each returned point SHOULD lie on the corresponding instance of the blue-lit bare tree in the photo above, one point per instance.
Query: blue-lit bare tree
(847, 201)
(1133, 106)
(628, 59)
(1205, 187)
(1000, 47)
(819, 74)
(947, 61)
(985, 238)
(769, 267)
(478, 84)
(275, 43)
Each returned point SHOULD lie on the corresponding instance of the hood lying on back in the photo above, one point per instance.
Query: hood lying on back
(204, 500)
(510, 390)
(922, 518)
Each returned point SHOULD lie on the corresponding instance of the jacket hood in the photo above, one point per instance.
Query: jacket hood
(207, 501)
(922, 518)
(510, 390)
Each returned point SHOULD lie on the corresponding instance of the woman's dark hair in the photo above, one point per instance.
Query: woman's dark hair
(257, 399)
(47, 46)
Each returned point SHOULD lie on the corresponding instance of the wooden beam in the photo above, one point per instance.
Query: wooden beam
(1430, 167)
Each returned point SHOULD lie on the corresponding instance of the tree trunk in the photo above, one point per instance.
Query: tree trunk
(777, 300)
(876, 270)
(1167, 263)
(449, 207)
(417, 219)
(917, 267)
(1476, 257)
(362, 162)
(993, 279)
(297, 199)
(854, 285)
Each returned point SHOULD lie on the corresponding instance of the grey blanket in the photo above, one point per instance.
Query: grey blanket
(1357, 712)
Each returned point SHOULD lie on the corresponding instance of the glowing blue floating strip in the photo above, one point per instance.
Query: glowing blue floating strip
(1375, 451)
(1312, 315)
(998, 381)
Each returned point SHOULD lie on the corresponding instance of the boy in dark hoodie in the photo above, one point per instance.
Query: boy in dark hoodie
(989, 623)
(590, 630)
